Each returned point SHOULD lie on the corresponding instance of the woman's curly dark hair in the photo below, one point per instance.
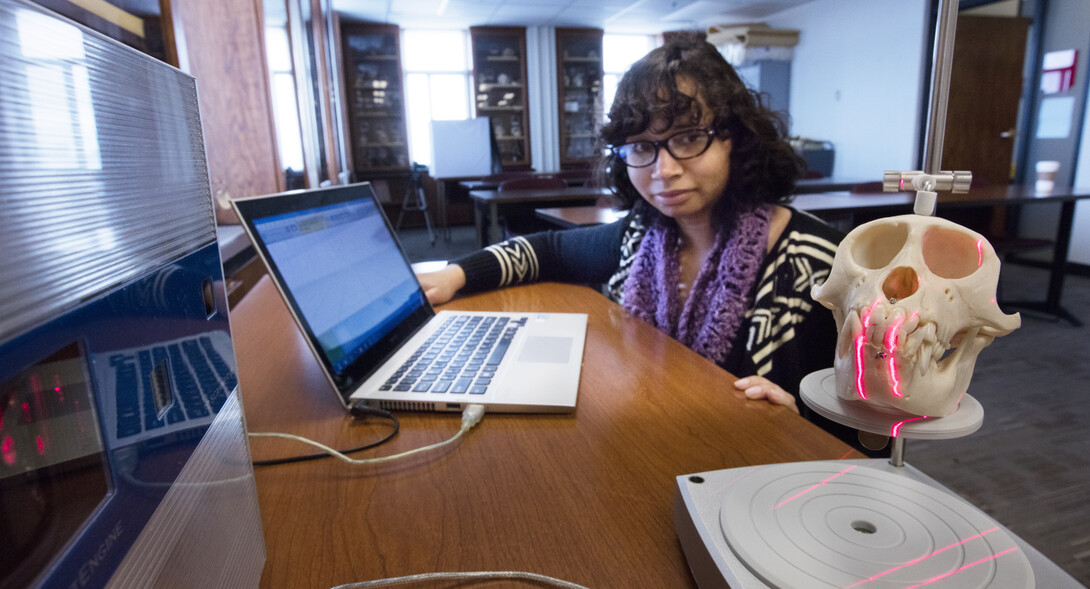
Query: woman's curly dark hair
(763, 167)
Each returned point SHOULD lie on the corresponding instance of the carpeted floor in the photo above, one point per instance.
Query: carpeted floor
(1029, 464)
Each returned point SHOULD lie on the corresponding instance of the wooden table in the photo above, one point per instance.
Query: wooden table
(443, 188)
(811, 185)
(569, 217)
(481, 184)
(490, 203)
(585, 497)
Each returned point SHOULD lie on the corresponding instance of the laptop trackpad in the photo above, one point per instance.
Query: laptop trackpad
(539, 348)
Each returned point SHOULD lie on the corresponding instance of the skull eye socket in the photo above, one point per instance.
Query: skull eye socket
(950, 254)
(877, 246)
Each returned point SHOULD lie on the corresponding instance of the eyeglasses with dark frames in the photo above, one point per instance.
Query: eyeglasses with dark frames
(681, 146)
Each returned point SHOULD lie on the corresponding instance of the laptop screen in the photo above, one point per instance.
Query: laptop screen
(343, 272)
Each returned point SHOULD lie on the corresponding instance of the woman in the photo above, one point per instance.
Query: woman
(709, 253)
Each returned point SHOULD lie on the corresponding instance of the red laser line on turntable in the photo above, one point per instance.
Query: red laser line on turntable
(812, 487)
(927, 556)
(968, 566)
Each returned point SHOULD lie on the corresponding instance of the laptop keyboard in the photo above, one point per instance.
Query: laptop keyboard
(461, 357)
(202, 381)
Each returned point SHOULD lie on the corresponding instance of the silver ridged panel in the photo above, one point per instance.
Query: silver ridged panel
(207, 530)
(103, 174)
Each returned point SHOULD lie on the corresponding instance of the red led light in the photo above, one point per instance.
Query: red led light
(41, 445)
(812, 487)
(7, 447)
(927, 556)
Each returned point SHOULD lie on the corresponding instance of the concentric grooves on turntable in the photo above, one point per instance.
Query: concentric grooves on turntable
(829, 524)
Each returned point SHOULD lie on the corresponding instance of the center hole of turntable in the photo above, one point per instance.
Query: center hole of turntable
(864, 527)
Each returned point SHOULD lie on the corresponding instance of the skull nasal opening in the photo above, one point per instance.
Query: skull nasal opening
(900, 283)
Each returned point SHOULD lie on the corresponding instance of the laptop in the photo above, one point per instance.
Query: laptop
(340, 268)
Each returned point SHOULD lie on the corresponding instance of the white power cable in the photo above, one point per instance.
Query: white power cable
(471, 416)
(463, 576)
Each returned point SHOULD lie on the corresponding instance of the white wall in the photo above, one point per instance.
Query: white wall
(856, 80)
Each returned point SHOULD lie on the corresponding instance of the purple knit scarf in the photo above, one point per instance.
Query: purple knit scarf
(718, 299)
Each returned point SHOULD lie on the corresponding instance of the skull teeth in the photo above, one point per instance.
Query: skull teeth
(914, 339)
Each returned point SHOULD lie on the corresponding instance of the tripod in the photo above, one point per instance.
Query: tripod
(415, 199)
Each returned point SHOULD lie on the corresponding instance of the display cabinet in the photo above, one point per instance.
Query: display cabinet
(499, 77)
(373, 89)
(579, 98)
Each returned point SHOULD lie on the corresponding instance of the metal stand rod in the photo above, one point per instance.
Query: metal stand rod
(897, 451)
(940, 85)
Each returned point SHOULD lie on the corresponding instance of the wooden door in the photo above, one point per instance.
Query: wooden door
(982, 112)
(222, 44)
(985, 88)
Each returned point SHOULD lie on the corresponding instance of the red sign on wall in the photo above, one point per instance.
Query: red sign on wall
(1058, 71)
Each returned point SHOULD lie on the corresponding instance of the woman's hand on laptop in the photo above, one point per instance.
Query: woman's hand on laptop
(758, 387)
(441, 286)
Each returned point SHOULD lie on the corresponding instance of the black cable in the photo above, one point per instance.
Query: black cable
(358, 410)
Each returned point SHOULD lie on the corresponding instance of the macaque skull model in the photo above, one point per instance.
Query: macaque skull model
(914, 301)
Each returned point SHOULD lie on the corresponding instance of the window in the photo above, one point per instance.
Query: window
(618, 53)
(437, 72)
(62, 113)
(288, 135)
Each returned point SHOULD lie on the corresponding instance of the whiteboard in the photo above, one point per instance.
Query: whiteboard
(460, 148)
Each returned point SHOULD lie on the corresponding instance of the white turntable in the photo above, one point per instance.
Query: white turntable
(851, 523)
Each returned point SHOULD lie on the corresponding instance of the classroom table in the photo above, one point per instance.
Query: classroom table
(586, 497)
(570, 217)
(489, 205)
(849, 206)
(443, 189)
(890, 203)
(831, 184)
(481, 184)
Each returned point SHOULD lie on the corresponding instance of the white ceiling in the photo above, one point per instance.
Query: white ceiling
(642, 16)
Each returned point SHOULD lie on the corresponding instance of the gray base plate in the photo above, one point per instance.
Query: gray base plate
(818, 391)
(851, 523)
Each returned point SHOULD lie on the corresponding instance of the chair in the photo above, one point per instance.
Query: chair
(415, 199)
(533, 182)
